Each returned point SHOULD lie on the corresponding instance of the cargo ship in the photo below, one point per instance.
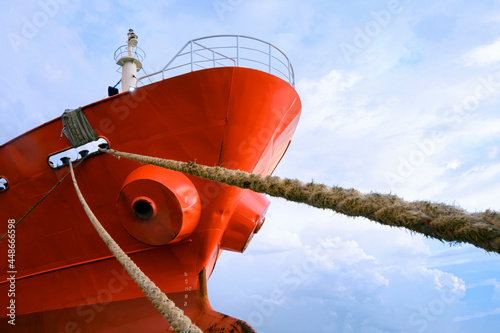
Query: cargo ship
(222, 100)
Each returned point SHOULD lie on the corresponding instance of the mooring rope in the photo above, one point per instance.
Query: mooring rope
(435, 220)
(170, 312)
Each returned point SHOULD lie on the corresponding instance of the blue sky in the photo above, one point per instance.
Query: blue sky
(398, 96)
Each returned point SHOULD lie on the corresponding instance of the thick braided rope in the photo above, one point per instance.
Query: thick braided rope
(436, 220)
(173, 314)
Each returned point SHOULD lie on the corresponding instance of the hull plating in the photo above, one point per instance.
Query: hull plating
(234, 117)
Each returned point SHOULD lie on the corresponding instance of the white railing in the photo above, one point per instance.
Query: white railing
(226, 51)
(123, 51)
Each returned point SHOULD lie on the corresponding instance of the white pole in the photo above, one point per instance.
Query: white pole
(130, 64)
(129, 79)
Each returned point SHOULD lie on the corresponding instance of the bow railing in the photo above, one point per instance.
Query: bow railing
(226, 51)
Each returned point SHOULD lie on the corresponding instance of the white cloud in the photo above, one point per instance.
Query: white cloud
(489, 282)
(276, 241)
(334, 284)
(495, 312)
(484, 55)
(493, 151)
(453, 165)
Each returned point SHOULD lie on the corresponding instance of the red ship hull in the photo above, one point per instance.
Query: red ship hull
(66, 279)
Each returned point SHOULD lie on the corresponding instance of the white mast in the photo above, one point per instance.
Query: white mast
(129, 62)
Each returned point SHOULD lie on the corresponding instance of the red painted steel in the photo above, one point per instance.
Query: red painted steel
(158, 206)
(235, 117)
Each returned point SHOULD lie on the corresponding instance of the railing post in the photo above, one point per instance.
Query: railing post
(289, 74)
(191, 56)
(213, 57)
(270, 58)
(237, 51)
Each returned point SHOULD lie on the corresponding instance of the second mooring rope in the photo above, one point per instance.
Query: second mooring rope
(43, 198)
(436, 220)
(173, 314)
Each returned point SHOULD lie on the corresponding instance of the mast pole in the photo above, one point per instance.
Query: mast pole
(130, 63)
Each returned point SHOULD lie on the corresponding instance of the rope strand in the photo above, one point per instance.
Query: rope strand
(174, 315)
(435, 220)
